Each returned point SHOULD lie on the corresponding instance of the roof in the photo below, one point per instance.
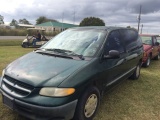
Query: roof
(106, 28)
(25, 25)
(57, 24)
(148, 35)
(35, 29)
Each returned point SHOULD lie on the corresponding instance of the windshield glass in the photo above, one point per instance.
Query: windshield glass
(158, 39)
(83, 42)
(147, 40)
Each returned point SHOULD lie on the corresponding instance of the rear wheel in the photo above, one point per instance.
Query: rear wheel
(88, 104)
(136, 73)
(158, 56)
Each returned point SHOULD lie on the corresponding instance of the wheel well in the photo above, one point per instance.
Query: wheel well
(150, 54)
(99, 85)
(95, 83)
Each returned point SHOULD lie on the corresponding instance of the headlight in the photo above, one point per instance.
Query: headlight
(145, 54)
(2, 73)
(56, 92)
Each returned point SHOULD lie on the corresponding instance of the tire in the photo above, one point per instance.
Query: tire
(136, 73)
(88, 104)
(25, 45)
(157, 57)
(147, 63)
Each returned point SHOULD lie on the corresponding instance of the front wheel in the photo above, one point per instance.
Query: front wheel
(25, 45)
(147, 63)
(88, 104)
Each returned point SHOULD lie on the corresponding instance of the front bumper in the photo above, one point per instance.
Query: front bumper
(35, 112)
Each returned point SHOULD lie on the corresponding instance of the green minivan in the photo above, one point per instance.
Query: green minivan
(66, 77)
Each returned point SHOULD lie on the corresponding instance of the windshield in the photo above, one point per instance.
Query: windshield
(83, 42)
(158, 39)
(147, 40)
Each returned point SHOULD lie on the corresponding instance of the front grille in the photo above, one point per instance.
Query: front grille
(15, 87)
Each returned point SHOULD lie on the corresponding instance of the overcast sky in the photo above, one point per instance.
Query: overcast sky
(112, 12)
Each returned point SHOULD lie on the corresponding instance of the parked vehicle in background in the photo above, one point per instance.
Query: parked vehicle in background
(28, 41)
(67, 76)
(151, 48)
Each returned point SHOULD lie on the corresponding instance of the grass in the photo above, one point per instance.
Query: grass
(10, 42)
(9, 53)
(131, 100)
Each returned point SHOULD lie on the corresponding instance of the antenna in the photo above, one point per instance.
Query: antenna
(139, 18)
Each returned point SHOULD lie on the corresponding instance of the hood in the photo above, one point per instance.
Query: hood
(146, 47)
(42, 70)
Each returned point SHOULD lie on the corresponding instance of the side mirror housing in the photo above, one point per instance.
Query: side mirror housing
(113, 54)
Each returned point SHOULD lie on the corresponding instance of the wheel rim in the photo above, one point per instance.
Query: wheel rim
(137, 71)
(158, 56)
(148, 61)
(91, 105)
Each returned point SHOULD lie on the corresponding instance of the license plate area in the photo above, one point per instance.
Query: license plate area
(8, 101)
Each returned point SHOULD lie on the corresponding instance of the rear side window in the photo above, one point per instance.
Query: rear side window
(130, 38)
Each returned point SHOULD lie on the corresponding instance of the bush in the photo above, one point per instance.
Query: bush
(12, 32)
(22, 32)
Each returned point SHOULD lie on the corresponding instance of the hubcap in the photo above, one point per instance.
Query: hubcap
(91, 105)
(158, 56)
(148, 61)
(137, 71)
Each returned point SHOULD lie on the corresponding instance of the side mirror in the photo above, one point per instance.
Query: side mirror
(157, 43)
(113, 54)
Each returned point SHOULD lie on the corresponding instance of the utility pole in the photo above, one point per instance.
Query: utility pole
(62, 21)
(74, 16)
(139, 18)
(141, 28)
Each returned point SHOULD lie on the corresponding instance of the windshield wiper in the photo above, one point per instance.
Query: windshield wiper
(57, 50)
(80, 56)
(68, 52)
(52, 54)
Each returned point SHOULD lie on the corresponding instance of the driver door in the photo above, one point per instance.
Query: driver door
(114, 68)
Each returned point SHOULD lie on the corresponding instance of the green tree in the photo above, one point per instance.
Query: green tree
(43, 19)
(24, 21)
(14, 23)
(1, 20)
(92, 21)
